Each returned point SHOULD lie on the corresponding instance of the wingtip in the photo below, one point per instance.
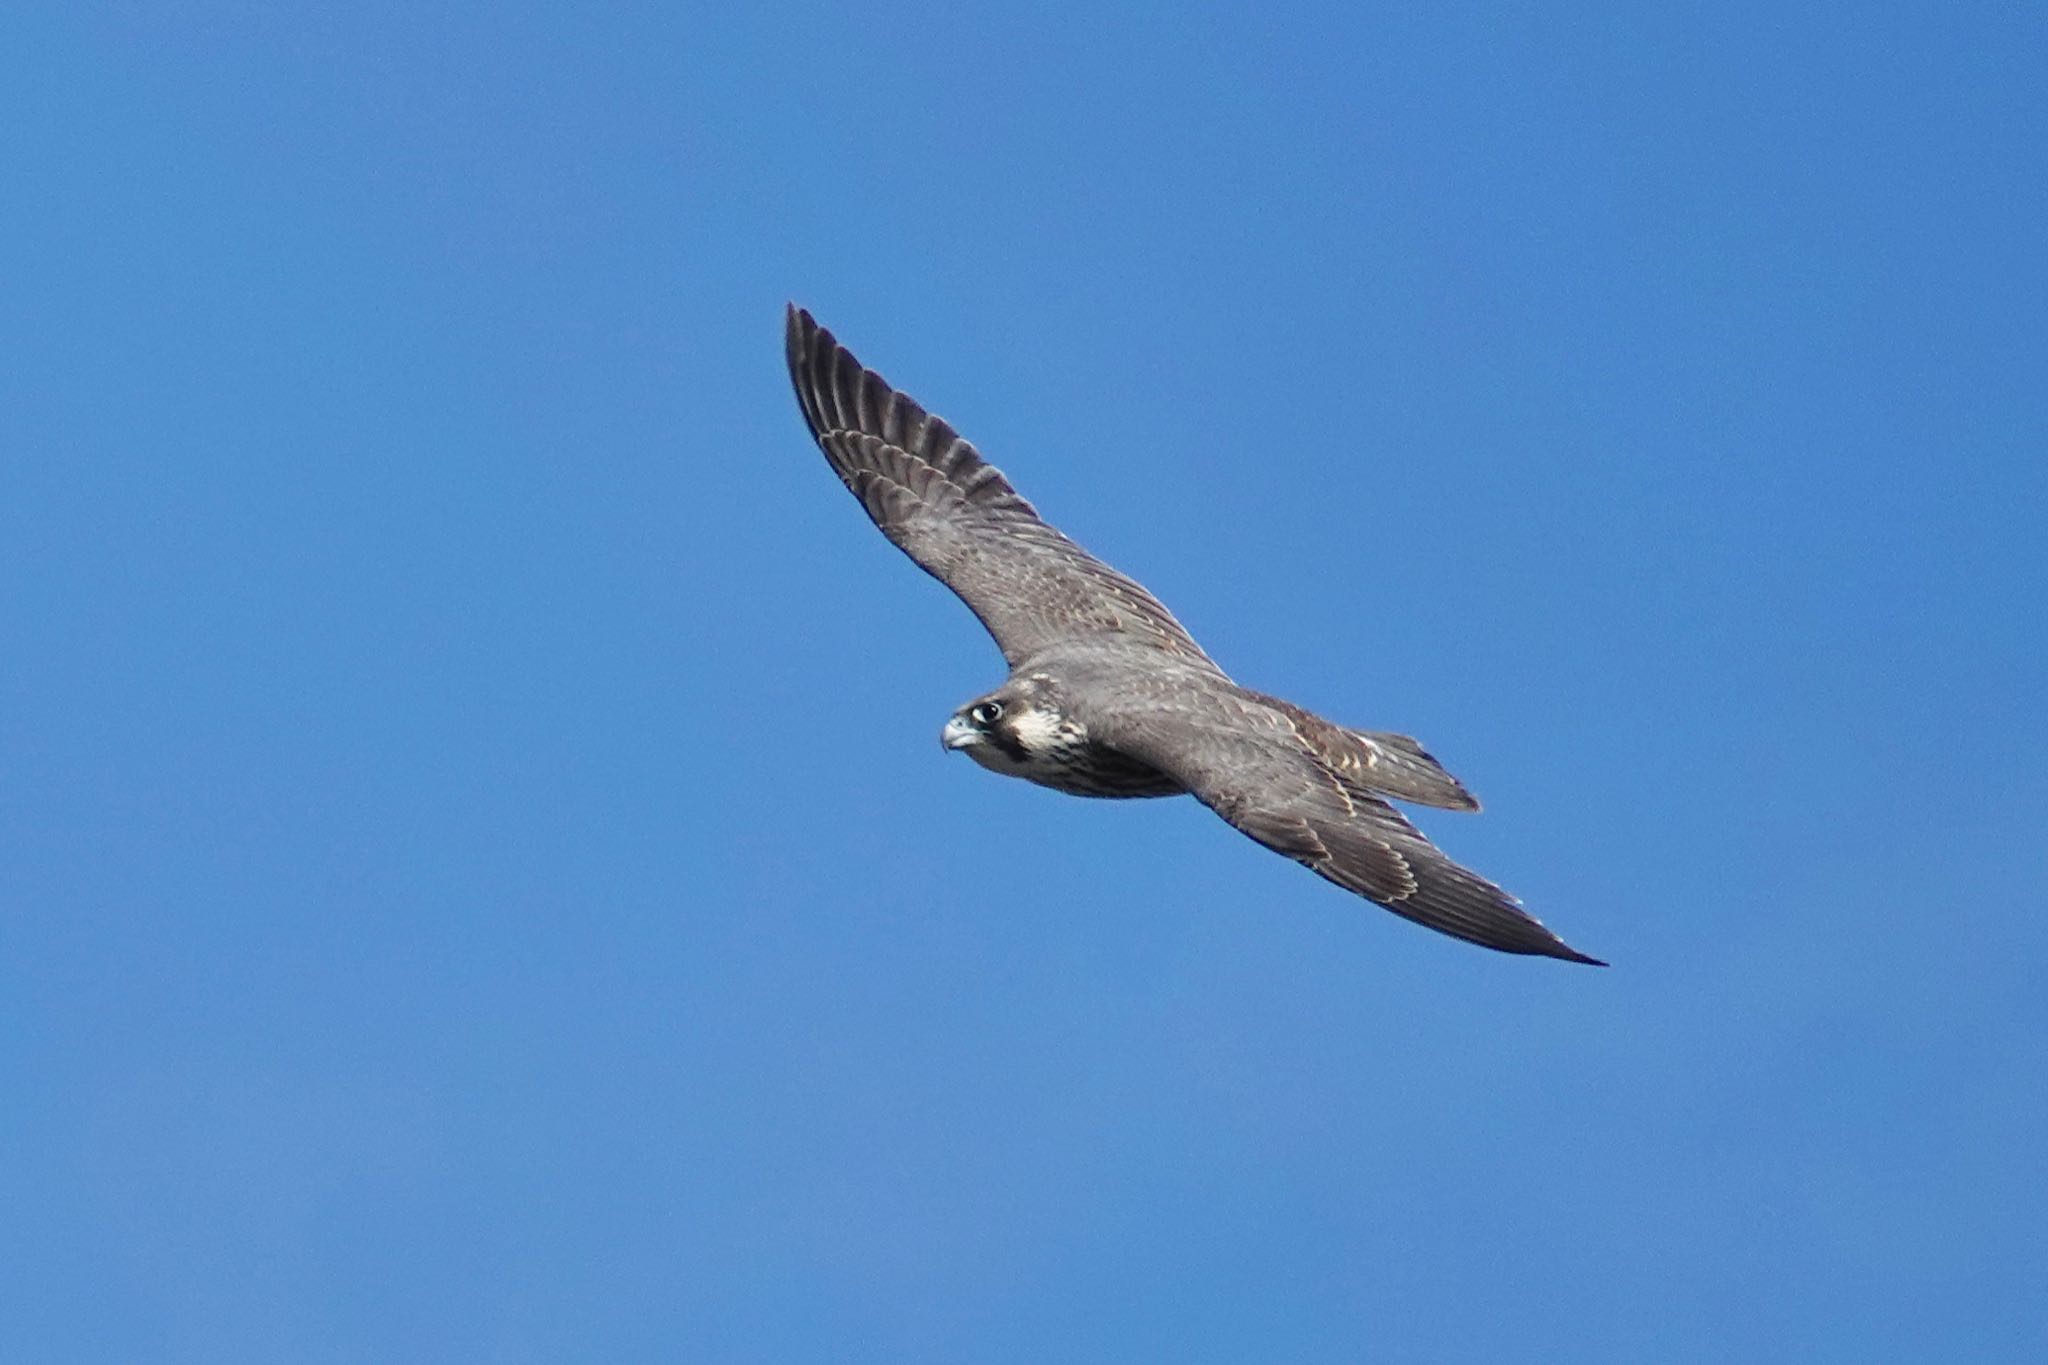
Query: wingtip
(808, 346)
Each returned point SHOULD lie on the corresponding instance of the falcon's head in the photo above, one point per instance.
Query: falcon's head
(1018, 729)
(1022, 729)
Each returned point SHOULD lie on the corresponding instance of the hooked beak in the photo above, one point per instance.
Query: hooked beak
(958, 734)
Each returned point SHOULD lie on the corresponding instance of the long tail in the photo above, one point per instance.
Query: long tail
(1400, 767)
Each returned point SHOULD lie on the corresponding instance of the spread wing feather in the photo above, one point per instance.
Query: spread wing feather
(952, 512)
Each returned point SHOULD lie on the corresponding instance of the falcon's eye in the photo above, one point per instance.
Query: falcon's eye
(986, 713)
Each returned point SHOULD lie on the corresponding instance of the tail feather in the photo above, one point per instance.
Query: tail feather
(1400, 767)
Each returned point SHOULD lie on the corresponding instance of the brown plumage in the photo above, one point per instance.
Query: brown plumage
(1108, 695)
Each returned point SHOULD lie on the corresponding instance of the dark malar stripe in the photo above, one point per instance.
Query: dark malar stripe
(1005, 738)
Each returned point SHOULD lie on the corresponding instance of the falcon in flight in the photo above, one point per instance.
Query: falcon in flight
(1109, 696)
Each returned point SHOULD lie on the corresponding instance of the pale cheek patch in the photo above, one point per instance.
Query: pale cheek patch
(1037, 731)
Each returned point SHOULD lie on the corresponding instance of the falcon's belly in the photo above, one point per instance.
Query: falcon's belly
(1084, 770)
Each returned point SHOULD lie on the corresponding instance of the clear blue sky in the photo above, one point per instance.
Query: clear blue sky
(478, 880)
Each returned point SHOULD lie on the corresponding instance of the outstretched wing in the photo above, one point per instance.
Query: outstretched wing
(955, 514)
(1286, 798)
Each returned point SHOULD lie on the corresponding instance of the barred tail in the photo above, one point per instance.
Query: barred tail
(1401, 768)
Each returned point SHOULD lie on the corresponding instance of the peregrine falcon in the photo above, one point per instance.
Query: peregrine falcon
(1109, 696)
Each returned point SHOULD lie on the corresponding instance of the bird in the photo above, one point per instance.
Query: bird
(1109, 696)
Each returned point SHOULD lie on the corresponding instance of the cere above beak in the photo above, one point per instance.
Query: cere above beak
(958, 734)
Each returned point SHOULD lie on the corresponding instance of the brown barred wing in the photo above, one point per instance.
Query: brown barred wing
(1283, 796)
(955, 514)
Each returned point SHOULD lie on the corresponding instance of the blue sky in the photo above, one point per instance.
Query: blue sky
(479, 880)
